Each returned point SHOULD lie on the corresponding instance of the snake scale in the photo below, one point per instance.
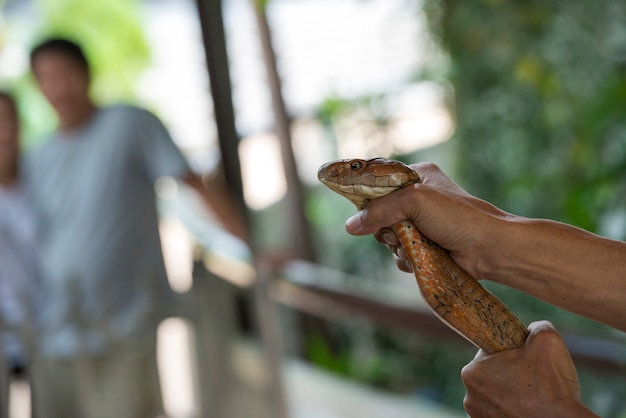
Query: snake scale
(458, 299)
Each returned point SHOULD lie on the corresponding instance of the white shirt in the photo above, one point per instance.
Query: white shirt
(19, 268)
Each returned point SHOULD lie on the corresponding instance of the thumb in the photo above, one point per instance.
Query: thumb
(357, 224)
(382, 213)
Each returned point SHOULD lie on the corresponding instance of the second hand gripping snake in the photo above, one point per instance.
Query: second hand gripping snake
(458, 299)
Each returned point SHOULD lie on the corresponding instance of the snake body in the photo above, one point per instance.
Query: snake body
(458, 299)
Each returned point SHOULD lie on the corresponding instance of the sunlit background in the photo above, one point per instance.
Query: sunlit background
(523, 102)
(321, 57)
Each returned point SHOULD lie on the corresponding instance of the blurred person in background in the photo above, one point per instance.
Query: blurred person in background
(19, 268)
(563, 265)
(93, 184)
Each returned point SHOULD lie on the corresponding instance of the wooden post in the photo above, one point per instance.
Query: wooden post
(297, 226)
(271, 337)
(215, 331)
(210, 14)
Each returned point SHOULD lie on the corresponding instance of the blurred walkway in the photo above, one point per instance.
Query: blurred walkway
(311, 393)
(316, 394)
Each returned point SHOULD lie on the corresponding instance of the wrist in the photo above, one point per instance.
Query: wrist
(573, 409)
(496, 248)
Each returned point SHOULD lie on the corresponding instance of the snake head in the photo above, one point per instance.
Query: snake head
(363, 180)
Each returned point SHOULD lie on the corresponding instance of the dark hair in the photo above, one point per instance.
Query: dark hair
(60, 46)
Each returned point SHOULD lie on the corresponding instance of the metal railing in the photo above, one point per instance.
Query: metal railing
(321, 292)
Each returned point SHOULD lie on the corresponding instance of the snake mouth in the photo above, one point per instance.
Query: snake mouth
(327, 171)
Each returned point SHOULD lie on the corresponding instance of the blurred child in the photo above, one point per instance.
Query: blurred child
(19, 271)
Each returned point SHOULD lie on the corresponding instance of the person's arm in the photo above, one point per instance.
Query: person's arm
(536, 380)
(159, 156)
(563, 265)
(220, 203)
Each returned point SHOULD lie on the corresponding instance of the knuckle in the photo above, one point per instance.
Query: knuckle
(427, 166)
(466, 373)
(469, 405)
(546, 337)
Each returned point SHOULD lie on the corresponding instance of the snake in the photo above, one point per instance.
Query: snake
(454, 296)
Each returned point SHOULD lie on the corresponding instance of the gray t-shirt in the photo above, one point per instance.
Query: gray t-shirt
(94, 191)
(19, 271)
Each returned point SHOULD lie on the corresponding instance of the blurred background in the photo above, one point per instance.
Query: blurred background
(523, 103)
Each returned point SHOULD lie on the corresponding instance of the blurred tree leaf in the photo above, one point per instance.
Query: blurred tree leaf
(540, 93)
(112, 35)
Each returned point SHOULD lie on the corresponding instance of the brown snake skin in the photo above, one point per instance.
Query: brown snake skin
(458, 299)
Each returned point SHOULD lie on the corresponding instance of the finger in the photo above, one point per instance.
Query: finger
(404, 265)
(390, 209)
(544, 338)
(384, 212)
(401, 253)
(373, 218)
(469, 371)
(541, 326)
(545, 342)
(541, 334)
(387, 237)
(355, 225)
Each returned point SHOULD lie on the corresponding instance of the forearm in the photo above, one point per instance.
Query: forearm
(562, 265)
(570, 410)
(221, 204)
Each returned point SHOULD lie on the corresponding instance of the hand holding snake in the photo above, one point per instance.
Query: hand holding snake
(439, 200)
(561, 264)
(453, 295)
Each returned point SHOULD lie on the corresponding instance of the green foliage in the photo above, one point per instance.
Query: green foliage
(360, 256)
(392, 360)
(540, 104)
(319, 353)
(111, 33)
(539, 97)
(367, 116)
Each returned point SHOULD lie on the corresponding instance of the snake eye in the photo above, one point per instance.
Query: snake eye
(356, 165)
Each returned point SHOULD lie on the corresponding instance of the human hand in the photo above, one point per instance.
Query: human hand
(535, 380)
(466, 226)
